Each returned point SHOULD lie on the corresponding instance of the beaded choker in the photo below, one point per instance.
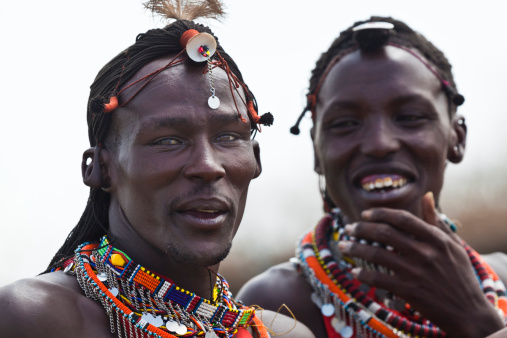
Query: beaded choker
(148, 305)
(351, 309)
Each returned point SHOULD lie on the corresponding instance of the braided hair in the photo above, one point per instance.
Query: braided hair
(370, 40)
(149, 46)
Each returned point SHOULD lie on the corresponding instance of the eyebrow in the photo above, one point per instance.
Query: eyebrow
(151, 123)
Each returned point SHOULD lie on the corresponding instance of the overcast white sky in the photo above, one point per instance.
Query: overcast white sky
(52, 50)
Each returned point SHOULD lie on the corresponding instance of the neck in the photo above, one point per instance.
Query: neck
(197, 279)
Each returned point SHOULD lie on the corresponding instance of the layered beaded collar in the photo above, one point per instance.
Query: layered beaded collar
(351, 310)
(146, 304)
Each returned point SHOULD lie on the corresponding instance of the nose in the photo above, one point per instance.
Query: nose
(204, 163)
(380, 140)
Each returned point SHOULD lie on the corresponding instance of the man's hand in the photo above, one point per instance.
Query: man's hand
(431, 269)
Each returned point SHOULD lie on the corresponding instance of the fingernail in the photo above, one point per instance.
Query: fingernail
(349, 228)
(366, 214)
(344, 246)
(355, 272)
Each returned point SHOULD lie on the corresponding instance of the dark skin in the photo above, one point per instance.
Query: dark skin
(380, 115)
(178, 174)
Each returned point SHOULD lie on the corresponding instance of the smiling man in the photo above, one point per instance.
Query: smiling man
(170, 124)
(384, 261)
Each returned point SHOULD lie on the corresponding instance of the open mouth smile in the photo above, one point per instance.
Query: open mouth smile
(383, 182)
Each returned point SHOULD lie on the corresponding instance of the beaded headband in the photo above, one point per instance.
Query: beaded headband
(199, 47)
(370, 36)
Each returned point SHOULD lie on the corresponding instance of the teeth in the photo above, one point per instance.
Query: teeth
(385, 182)
(208, 211)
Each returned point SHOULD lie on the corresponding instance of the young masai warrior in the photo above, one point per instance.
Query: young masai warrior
(169, 168)
(384, 261)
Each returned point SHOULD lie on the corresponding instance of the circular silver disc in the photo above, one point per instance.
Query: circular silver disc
(337, 324)
(171, 325)
(214, 102)
(346, 332)
(102, 277)
(68, 268)
(114, 291)
(211, 334)
(157, 321)
(327, 310)
(181, 330)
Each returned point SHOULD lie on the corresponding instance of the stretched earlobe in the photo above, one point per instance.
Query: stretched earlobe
(456, 150)
(92, 172)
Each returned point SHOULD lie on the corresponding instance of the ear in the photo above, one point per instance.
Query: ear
(257, 154)
(316, 162)
(95, 173)
(457, 145)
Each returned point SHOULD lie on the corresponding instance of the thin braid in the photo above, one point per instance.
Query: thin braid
(149, 46)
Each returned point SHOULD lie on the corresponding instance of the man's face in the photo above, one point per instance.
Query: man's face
(382, 132)
(180, 171)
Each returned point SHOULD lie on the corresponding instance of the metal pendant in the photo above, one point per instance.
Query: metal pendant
(327, 310)
(214, 102)
(181, 330)
(114, 291)
(211, 334)
(171, 325)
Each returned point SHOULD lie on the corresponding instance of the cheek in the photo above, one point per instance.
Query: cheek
(241, 170)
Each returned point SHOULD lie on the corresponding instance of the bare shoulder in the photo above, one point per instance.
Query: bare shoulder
(50, 305)
(499, 334)
(273, 287)
(281, 285)
(498, 261)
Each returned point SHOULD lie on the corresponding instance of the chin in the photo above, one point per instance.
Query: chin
(198, 258)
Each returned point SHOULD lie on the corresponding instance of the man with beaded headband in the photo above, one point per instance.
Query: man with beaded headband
(384, 261)
(170, 125)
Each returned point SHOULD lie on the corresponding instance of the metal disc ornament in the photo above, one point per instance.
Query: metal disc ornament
(171, 325)
(181, 330)
(201, 39)
(327, 310)
(102, 277)
(214, 102)
(347, 332)
(211, 334)
(114, 291)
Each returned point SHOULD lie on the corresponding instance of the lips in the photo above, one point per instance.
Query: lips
(204, 212)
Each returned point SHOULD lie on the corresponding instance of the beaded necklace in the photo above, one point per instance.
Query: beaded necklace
(350, 310)
(145, 304)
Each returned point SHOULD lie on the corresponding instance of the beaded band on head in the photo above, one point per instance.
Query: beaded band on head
(369, 36)
(200, 46)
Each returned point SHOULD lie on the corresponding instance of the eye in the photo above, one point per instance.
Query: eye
(227, 138)
(411, 119)
(167, 142)
(342, 125)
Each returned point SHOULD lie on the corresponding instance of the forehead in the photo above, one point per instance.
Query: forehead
(380, 76)
(180, 94)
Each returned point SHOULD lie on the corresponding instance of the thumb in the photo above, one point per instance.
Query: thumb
(429, 213)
